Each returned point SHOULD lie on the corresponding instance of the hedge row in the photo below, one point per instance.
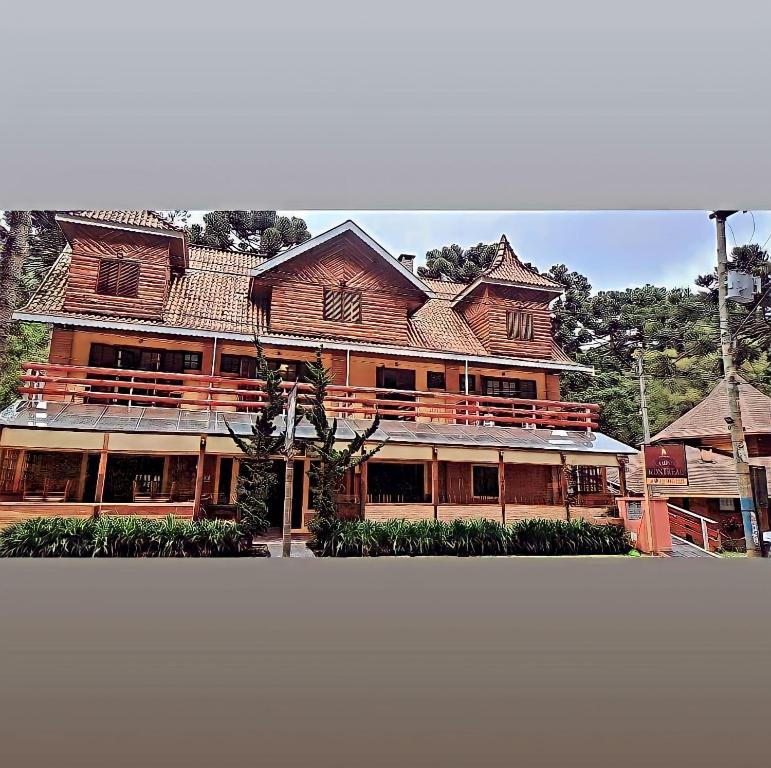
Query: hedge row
(127, 536)
(464, 538)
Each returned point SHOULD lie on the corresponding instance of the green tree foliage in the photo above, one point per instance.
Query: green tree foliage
(331, 464)
(257, 478)
(451, 262)
(253, 231)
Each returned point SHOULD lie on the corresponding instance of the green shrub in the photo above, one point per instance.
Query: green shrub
(127, 536)
(466, 538)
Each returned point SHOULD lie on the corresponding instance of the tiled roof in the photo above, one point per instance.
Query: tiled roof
(714, 478)
(506, 266)
(212, 295)
(707, 419)
(436, 325)
(130, 218)
(445, 288)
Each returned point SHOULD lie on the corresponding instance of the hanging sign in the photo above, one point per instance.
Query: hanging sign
(666, 464)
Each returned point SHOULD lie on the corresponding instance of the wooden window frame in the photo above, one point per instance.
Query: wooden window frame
(342, 305)
(519, 325)
(118, 277)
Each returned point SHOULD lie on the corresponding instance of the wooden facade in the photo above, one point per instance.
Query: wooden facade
(375, 364)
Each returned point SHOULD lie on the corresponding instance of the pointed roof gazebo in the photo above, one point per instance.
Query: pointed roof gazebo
(507, 269)
(708, 418)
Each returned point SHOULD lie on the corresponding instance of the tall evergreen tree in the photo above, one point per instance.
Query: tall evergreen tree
(452, 262)
(257, 478)
(253, 231)
(331, 464)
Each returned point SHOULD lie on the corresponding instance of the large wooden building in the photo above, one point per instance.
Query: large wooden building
(152, 352)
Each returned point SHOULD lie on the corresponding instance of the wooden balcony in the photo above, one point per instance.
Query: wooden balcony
(81, 384)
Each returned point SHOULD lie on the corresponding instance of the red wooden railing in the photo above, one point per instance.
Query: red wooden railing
(702, 531)
(47, 381)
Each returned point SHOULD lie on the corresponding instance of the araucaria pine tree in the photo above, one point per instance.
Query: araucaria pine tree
(257, 478)
(328, 470)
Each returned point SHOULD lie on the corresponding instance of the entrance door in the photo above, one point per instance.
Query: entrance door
(276, 497)
(297, 494)
(123, 471)
(223, 486)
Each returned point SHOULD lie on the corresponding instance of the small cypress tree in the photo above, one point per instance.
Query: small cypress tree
(332, 464)
(257, 478)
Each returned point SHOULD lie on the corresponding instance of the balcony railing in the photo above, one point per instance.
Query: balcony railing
(81, 384)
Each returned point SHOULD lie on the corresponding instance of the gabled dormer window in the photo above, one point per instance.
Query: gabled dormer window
(118, 277)
(519, 325)
(342, 306)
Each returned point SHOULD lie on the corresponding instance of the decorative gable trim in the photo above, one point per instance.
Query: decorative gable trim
(353, 228)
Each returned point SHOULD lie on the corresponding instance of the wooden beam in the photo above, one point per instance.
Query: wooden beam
(101, 474)
(502, 486)
(199, 473)
(435, 481)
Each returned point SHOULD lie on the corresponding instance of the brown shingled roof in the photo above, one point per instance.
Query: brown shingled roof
(212, 295)
(715, 478)
(130, 218)
(707, 419)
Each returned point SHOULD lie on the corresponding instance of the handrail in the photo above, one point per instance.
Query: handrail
(705, 525)
(692, 514)
(160, 388)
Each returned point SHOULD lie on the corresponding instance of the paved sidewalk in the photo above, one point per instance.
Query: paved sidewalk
(683, 548)
(299, 549)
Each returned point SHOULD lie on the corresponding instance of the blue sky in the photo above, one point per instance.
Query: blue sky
(614, 249)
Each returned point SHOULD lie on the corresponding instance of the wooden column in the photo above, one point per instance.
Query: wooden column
(306, 487)
(363, 489)
(234, 480)
(18, 475)
(82, 478)
(199, 473)
(101, 474)
(622, 461)
(564, 487)
(502, 486)
(435, 482)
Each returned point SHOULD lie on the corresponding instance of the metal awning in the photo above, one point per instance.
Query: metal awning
(51, 415)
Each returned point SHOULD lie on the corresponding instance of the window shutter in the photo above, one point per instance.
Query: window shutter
(333, 305)
(118, 278)
(519, 325)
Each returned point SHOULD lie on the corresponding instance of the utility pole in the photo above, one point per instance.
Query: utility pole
(643, 398)
(734, 419)
(646, 441)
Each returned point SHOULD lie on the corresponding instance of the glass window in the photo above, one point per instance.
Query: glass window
(484, 481)
(517, 388)
(436, 380)
(472, 382)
